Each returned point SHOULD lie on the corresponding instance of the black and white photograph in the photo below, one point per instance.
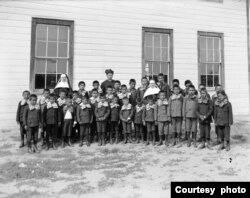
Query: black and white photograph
(123, 98)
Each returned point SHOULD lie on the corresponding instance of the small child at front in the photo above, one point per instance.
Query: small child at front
(138, 110)
(190, 106)
(204, 112)
(84, 118)
(223, 117)
(32, 121)
(149, 120)
(19, 115)
(102, 112)
(162, 118)
(126, 114)
(114, 119)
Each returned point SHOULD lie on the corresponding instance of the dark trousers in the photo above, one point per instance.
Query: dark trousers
(139, 130)
(84, 131)
(205, 131)
(51, 132)
(22, 131)
(127, 127)
(101, 126)
(224, 133)
(32, 134)
(75, 132)
(93, 131)
(67, 127)
(114, 128)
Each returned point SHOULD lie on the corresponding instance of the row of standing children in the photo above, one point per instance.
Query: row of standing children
(103, 114)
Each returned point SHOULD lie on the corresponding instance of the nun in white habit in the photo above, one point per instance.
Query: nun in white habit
(63, 83)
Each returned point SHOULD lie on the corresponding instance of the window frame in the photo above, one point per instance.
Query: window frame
(171, 49)
(222, 69)
(47, 21)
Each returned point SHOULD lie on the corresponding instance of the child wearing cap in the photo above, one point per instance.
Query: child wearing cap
(126, 115)
(102, 112)
(19, 115)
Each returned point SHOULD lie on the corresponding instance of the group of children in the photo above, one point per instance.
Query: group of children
(117, 113)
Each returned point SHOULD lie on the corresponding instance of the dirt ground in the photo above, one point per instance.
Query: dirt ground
(119, 171)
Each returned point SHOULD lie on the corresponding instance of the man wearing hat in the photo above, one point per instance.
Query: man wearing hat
(109, 81)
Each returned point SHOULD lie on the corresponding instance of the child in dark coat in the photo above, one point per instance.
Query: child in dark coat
(175, 113)
(133, 91)
(124, 94)
(19, 115)
(149, 120)
(32, 122)
(102, 112)
(141, 90)
(190, 106)
(223, 117)
(76, 101)
(51, 120)
(126, 115)
(43, 102)
(138, 110)
(204, 112)
(162, 118)
(82, 92)
(96, 86)
(84, 118)
(114, 119)
(61, 101)
(68, 122)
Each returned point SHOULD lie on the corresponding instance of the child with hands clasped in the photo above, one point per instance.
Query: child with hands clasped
(114, 119)
(138, 110)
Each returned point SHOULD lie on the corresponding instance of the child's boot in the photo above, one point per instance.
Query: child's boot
(129, 138)
(70, 142)
(209, 145)
(178, 142)
(35, 148)
(54, 145)
(125, 138)
(29, 149)
(116, 137)
(228, 146)
(22, 142)
(137, 138)
(202, 146)
(222, 145)
(186, 136)
(218, 142)
(142, 137)
(188, 139)
(99, 139)
(103, 139)
(63, 142)
(194, 139)
(111, 137)
(166, 140)
(160, 140)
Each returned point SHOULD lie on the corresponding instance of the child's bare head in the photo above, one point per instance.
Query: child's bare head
(125, 101)
(95, 93)
(102, 98)
(46, 93)
(52, 98)
(96, 84)
(81, 85)
(218, 88)
(176, 82)
(117, 84)
(62, 94)
(191, 90)
(160, 77)
(124, 89)
(176, 89)
(162, 95)
(109, 90)
(84, 100)
(203, 92)
(144, 82)
(68, 101)
(33, 99)
(132, 83)
(26, 95)
(202, 86)
(109, 74)
(188, 83)
(75, 95)
(115, 100)
(150, 100)
(221, 94)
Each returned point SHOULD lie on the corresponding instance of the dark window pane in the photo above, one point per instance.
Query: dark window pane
(40, 66)
(63, 50)
(52, 49)
(210, 81)
(216, 68)
(39, 81)
(157, 53)
(210, 56)
(52, 33)
(203, 43)
(154, 78)
(41, 32)
(164, 40)
(216, 80)
(149, 39)
(203, 57)
(216, 43)
(164, 68)
(156, 68)
(203, 79)
(62, 66)
(157, 40)
(51, 66)
(166, 78)
(51, 81)
(164, 54)
(209, 43)
(63, 33)
(40, 48)
(209, 69)
(149, 53)
(203, 68)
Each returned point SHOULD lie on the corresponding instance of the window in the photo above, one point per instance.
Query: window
(210, 58)
(157, 53)
(51, 52)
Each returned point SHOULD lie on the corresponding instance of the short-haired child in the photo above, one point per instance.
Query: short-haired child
(138, 110)
(81, 91)
(114, 120)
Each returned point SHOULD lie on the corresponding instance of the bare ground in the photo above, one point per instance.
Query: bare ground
(120, 171)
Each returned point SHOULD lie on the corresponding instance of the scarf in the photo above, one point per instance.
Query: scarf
(148, 107)
(112, 105)
(127, 107)
(24, 102)
(221, 103)
(84, 106)
(61, 102)
(110, 97)
(162, 102)
(34, 107)
(43, 100)
(78, 101)
(94, 100)
(100, 104)
(121, 95)
(82, 93)
(205, 101)
(50, 105)
(175, 97)
(68, 108)
(138, 109)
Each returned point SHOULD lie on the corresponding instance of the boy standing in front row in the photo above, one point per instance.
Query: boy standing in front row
(114, 119)
(138, 110)
(190, 106)
(32, 121)
(19, 116)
